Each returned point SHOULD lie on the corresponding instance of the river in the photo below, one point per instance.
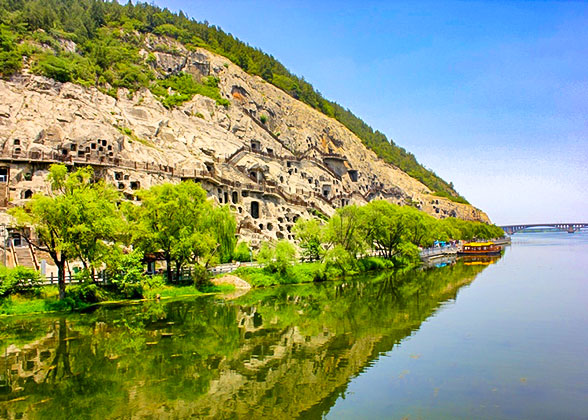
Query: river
(506, 340)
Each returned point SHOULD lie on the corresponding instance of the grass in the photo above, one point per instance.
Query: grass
(45, 299)
(133, 137)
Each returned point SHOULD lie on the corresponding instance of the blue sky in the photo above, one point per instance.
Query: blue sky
(490, 95)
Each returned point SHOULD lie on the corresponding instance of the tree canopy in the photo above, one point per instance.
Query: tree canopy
(78, 219)
(391, 231)
(178, 220)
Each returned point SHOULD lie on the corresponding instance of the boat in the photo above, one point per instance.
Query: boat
(480, 248)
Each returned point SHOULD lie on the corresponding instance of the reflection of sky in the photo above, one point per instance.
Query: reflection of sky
(492, 95)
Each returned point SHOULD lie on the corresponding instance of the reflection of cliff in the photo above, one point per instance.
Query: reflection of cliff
(272, 353)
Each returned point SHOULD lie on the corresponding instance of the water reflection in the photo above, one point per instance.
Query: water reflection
(279, 352)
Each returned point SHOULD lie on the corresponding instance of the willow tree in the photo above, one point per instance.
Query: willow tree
(384, 227)
(178, 221)
(77, 220)
(310, 234)
(345, 229)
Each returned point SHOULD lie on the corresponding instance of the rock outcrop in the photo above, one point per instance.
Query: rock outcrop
(270, 157)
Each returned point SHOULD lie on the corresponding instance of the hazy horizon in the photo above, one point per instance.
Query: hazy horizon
(489, 95)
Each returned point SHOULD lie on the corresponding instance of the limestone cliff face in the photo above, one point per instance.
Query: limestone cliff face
(270, 157)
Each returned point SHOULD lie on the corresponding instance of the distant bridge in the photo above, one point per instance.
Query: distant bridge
(569, 227)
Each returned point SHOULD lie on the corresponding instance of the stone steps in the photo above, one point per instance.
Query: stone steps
(24, 257)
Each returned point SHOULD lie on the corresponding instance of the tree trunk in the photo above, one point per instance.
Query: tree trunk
(61, 279)
(168, 268)
(178, 271)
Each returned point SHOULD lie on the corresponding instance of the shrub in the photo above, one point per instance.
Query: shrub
(263, 118)
(201, 277)
(257, 277)
(84, 293)
(339, 262)
(242, 252)
(185, 87)
(125, 271)
(307, 273)
(17, 279)
(408, 254)
(54, 67)
(277, 257)
(10, 63)
(153, 282)
(374, 263)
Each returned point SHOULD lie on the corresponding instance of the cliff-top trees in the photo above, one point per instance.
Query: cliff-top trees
(76, 220)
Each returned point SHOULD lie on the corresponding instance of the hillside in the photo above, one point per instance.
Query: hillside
(83, 22)
(144, 108)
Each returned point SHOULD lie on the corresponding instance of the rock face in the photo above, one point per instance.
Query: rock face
(270, 157)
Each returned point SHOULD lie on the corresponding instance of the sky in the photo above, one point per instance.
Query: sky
(491, 95)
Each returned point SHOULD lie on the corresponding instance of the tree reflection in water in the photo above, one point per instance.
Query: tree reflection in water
(273, 352)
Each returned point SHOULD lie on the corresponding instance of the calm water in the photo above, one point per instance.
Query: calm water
(504, 340)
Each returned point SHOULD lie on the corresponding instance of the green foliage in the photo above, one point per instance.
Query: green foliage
(78, 220)
(84, 293)
(10, 57)
(242, 252)
(223, 225)
(258, 277)
(277, 257)
(18, 279)
(180, 222)
(184, 87)
(54, 67)
(339, 262)
(453, 228)
(201, 277)
(344, 229)
(263, 118)
(307, 273)
(169, 30)
(391, 231)
(445, 194)
(126, 272)
(374, 264)
(310, 235)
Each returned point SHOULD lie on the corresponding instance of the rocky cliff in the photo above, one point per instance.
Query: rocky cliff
(270, 157)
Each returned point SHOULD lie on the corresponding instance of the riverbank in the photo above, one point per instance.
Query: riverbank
(82, 297)
(46, 299)
(312, 272)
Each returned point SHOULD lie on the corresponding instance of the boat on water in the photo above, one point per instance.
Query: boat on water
(480, 248)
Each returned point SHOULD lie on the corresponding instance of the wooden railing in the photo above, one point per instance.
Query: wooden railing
(269, 187)
(101, 278)
(89, 159)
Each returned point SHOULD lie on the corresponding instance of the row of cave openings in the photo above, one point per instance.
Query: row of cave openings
(223, 198)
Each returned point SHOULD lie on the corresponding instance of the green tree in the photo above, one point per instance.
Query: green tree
(242, 252)
(180, 222)
(384, 227)
(345, 228)
(77, 220)
(277, 256)
(310, 234)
